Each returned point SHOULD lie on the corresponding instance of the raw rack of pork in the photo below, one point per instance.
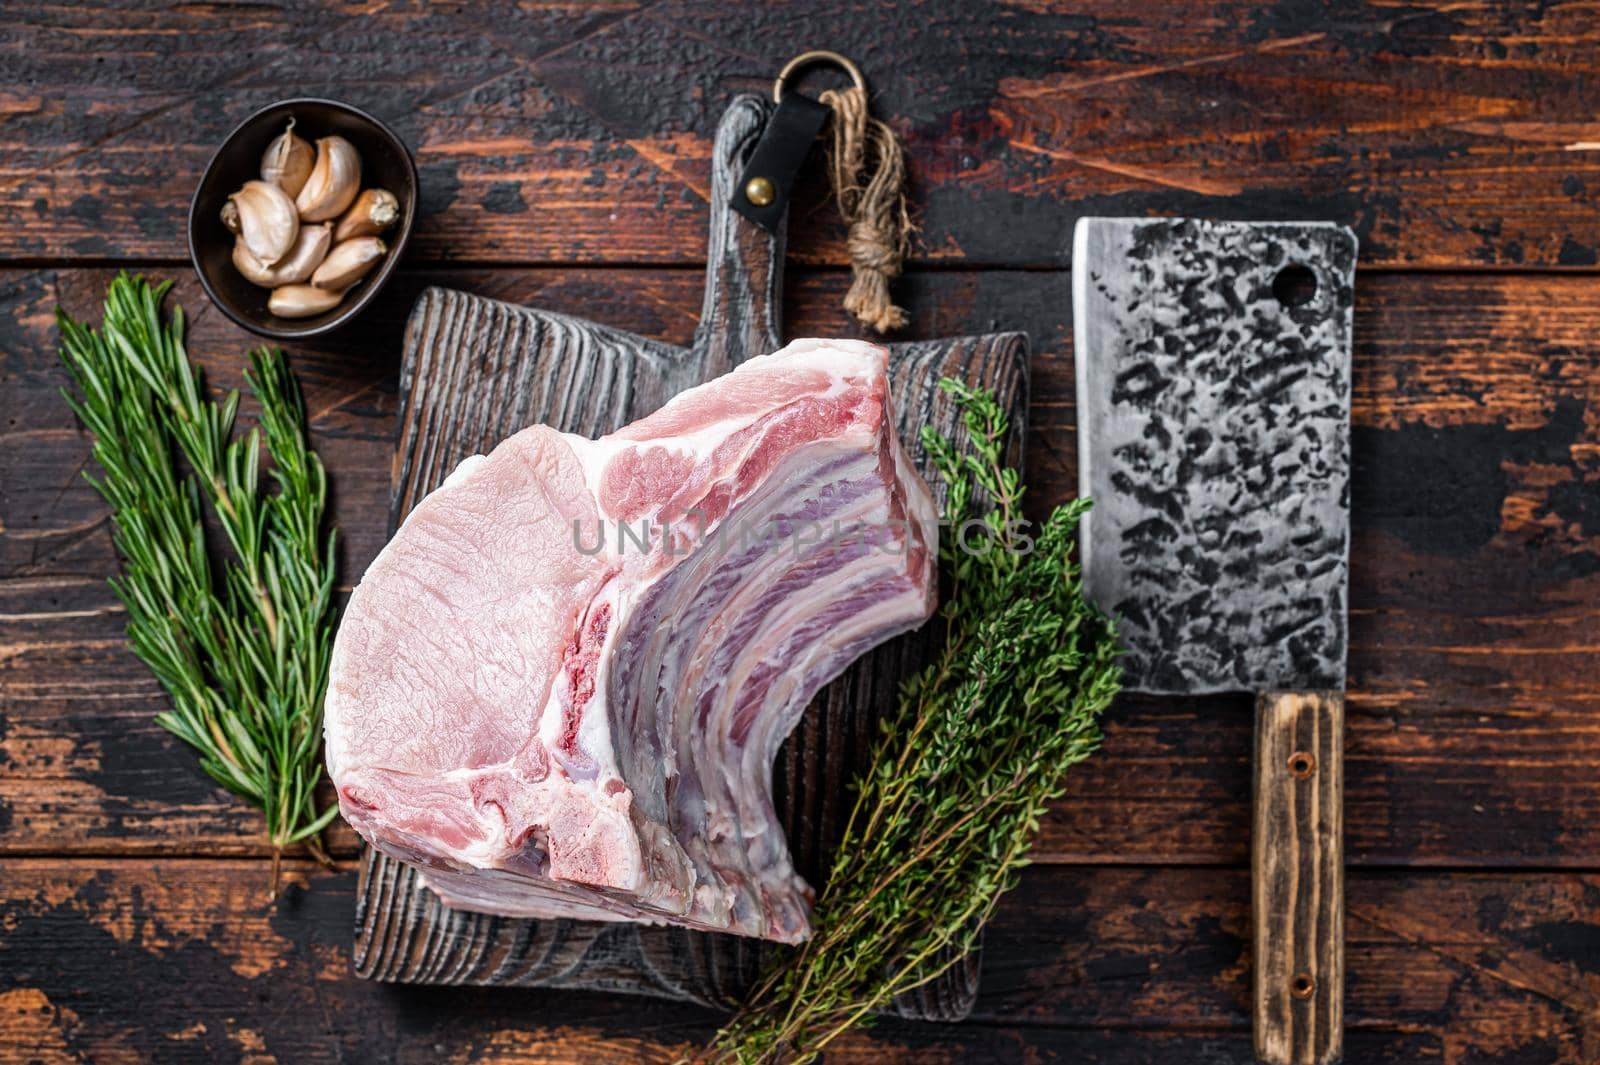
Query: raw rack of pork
(560, 688)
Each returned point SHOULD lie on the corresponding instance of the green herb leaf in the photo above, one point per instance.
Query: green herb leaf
(241, 648)
(946, 815)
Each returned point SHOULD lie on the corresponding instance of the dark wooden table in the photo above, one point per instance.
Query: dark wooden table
(563, 151)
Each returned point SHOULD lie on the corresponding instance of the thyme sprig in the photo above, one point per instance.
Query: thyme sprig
(964, 770)
(244, 653)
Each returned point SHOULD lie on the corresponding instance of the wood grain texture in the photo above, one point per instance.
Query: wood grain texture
(1445, 134)
(1297, 878)
(1475, 570)
(1119, 966)
(474, 372)
(577, 136)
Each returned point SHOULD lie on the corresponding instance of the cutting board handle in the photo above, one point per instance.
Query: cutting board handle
(1297, 878)
(744, 262)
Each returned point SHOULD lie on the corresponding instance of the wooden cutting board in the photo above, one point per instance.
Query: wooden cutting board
(477, 370)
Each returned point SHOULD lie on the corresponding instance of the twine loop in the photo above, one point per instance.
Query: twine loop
(868, 173)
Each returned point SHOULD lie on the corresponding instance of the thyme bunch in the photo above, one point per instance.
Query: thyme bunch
(241, 647)
(944, 819)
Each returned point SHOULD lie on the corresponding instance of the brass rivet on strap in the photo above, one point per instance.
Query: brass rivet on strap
(806, 59)
(760, 191)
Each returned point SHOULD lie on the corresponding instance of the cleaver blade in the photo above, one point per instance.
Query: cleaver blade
(1214, 439)
(1213, 381)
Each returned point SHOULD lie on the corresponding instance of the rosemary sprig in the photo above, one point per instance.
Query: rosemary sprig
(244, 653)
(944, 819)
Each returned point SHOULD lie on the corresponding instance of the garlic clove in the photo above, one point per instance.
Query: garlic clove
(306, 255)
(334, 182)
(288, 160)
(302, 301)
(268, 223)
(374, 211)
(349, 262)
(250, 268)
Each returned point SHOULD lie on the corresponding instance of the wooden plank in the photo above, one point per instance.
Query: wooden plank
(1445, 134)
(1475, 576)
(110, 960)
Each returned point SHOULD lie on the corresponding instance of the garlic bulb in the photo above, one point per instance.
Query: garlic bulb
(268, 223)
(306, 255)
(334, 182)
(288, 160)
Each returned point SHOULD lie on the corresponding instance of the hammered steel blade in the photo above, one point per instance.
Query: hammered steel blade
(1213, 375)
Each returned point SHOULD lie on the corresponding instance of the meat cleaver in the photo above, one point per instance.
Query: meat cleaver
(1213, 376)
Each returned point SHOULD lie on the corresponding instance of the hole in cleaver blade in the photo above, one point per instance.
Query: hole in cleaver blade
(1213, 376)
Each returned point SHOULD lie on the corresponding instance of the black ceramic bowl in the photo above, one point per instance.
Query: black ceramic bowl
(385, 163)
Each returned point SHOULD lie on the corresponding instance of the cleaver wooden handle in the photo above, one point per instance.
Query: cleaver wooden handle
(1297, 877)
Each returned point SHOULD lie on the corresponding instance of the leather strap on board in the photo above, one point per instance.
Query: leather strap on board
(762, 194)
